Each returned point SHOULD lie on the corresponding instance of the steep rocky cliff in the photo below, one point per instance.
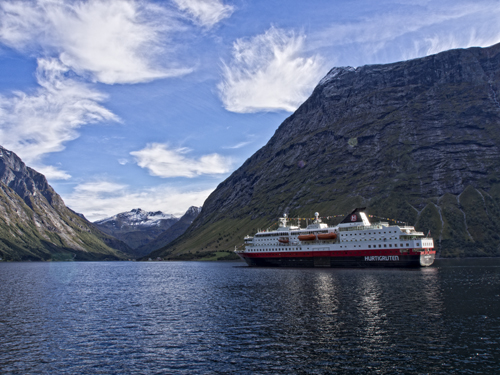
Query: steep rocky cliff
(416, 141)
(35, 224)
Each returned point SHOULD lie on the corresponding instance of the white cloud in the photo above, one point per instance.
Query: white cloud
(101, 199)
(269, 73)
(118, 41)
(40, 123)
(459, 36)
(51, 172)
(205, 12)
(102, 187)
(239, 145)
(164, 162)
(411, 31)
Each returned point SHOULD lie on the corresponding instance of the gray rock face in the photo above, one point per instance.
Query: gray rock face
(26, 182)
(35, 224)
(416, 140)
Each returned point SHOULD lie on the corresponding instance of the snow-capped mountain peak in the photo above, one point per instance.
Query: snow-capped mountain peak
(138, 216)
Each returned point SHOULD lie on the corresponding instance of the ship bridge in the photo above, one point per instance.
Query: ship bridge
(283, 224)
(317, 224)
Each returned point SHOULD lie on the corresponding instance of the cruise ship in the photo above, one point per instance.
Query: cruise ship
(355, 242)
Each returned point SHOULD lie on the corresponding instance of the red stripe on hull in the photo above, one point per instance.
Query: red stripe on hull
(331, 253)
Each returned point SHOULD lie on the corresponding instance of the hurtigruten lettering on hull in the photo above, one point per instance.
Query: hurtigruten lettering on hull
(355, 242)
(381, 258)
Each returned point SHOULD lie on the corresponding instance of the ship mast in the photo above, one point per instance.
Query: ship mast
(283, 220)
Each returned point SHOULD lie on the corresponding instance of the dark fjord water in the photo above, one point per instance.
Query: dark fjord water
(201, 317)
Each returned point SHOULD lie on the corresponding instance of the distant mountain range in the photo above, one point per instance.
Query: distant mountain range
(136, 227)
(415, 141)
(147, 231)
(35, 224)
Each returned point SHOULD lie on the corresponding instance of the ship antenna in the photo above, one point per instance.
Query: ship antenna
(283, 220)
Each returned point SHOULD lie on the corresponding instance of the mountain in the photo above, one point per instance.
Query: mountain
(35, 224)
(171, 233)
(136, 227)
(416, 141)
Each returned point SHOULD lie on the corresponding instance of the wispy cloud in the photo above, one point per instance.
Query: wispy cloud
(51, 172)
(33, 125)
(100, 199)
(205, 12)
(112, 41)
(239, 145)
(269, 72)
(163, 161)
(411, 30)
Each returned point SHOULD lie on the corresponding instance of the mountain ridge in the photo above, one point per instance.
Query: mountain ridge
(136, 227)
(35, 224)
(139, 217)
(416, 140)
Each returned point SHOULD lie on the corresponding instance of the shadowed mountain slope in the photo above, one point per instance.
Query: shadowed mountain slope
(417, 141)
(171, 233)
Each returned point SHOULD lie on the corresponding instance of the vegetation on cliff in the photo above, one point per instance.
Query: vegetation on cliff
(36, 225)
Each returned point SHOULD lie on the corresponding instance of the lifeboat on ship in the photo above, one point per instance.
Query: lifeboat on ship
(283, 240)
(327, 236)
(307, 237)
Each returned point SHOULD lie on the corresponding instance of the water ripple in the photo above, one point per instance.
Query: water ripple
(200, 317)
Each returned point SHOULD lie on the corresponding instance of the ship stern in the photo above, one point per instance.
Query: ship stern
(427, 258)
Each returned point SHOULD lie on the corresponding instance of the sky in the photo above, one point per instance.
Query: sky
(127, 104)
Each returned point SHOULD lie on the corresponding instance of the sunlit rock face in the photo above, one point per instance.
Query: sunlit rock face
(417, 141)
(35, 224)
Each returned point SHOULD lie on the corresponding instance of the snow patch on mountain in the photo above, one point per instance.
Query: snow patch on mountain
(138, 217)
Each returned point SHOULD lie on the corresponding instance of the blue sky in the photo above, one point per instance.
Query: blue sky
(151, 104)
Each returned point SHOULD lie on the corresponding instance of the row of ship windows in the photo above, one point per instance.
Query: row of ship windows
(385, 245)
(364, 234)
(369, 246)
(362, 239)
(342, 235)
(292, 233)
(315, 232)
(273, 250)
(370, 239)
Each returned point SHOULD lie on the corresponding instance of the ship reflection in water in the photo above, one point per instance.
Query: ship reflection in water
(370, 319)
(204, 317)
